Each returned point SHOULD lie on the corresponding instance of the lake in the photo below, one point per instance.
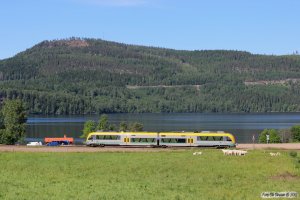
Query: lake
(242, 126)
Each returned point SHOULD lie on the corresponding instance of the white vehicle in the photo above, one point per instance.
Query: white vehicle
(34, 144)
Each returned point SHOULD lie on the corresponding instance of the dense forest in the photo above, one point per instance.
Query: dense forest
(85, 76)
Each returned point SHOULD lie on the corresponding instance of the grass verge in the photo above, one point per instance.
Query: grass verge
(145, 175)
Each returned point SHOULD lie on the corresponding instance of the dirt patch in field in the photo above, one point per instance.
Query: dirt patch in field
(286, 176)
(282, 146)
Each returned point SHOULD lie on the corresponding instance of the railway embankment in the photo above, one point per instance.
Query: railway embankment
(283, 146)
(82, 148)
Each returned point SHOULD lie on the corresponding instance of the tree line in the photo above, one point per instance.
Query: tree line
(104, 125)
(277, 136)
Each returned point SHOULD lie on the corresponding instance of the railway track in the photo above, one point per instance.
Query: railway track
(82, 148)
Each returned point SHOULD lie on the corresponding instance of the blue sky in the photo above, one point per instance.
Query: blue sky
(258, 26)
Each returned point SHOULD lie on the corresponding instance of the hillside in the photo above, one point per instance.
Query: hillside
(80, 76)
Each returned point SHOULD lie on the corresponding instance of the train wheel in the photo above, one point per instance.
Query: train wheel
(101, 145)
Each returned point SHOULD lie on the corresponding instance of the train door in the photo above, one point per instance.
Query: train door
(126, 140)
(190, 141)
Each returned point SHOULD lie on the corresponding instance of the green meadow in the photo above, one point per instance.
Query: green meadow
(145, 175)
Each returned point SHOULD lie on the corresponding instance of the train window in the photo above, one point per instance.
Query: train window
(210, 138)
(202, 138)
(218, 138)
(114, 137)
(99, 137)
(228, 139)
(143, 140)
(181, 140)
(108, 137)
(173, 140)
(91, 137)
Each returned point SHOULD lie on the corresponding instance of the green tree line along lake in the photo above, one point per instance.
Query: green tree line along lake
(243, 126)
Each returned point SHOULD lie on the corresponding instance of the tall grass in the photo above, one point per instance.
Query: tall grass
(143, 175)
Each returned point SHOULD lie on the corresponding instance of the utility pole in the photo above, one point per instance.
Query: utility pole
(253, 141)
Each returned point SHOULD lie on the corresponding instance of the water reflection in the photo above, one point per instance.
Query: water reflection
(243, 126)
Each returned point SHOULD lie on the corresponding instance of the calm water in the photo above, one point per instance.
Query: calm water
(243, 126)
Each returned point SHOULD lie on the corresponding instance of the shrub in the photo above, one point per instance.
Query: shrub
(89, 126)
(285, 135)
(274, 136)
(123, 126)
(135, 127)
(295, 130)
(103, 124)
(297, 163)
(293, 154)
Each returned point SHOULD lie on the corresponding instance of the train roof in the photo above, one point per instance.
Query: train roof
(122, 133)
(204, 133)
(193, 133)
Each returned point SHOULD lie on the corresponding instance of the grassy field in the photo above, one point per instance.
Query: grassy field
(145, 175)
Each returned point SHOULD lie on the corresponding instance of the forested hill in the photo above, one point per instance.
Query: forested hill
(79, 76)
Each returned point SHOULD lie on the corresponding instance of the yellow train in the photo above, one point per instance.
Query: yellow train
(162, 139)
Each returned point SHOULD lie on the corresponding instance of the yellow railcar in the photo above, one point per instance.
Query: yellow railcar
(161, 139)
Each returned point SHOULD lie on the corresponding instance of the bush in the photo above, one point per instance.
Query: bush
(297, 163)
(89, 126)
(295, 130)
(103, 124)
(123, 126)
(135, 127)
(285, 135)
(274, 136)
(293, 154)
